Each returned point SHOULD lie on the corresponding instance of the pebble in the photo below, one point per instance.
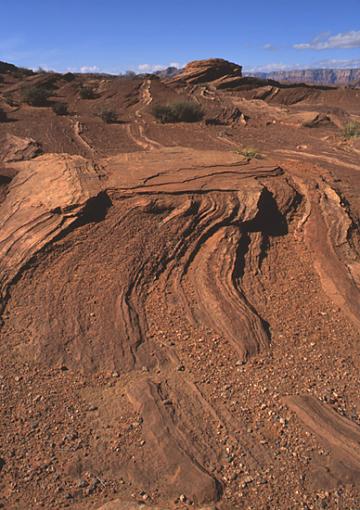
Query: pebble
(246, 481)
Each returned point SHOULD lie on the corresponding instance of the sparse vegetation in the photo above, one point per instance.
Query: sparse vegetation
(60, 109)
(9, 100)
(181, 111)
(250, 153)
(3, 115)
(20, 72)
(87, 93)
(36, 96)
(108, 116)
(352, 130)
(51, 82)
(69, 77)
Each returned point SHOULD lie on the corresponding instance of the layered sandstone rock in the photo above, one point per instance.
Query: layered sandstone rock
(203, 71)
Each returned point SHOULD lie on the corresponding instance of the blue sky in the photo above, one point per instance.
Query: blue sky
(116, 35)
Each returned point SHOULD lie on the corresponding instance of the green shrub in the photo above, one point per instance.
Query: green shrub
(352, 130)
(108, 116)
(20, 72)
(87, 93)
(69, 76)
(182, 111)
(3, 115)
(36, 96)
(60, 109)
(250, 153)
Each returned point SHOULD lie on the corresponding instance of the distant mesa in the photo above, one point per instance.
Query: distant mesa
(336, 77)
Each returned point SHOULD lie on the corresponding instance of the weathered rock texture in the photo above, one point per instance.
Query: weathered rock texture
(202, 71)
(180, 304)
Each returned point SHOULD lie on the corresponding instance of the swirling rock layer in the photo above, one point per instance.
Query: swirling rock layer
(179, 318)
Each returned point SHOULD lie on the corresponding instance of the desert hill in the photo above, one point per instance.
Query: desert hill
(180, 291)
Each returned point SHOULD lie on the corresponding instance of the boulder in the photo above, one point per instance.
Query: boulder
(14, 148)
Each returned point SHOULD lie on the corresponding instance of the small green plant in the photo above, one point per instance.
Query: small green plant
(181, 111)
(249, 153)
(36, 96)
(60, 109)
(108, 116)
(87, 93)
(3, 115)
(352, 130)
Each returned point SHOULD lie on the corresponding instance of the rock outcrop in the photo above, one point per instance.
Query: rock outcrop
(204, 71)
(220, 73)
(45, 197)
(14, 148)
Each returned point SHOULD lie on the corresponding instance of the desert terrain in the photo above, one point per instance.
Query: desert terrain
(180, 301)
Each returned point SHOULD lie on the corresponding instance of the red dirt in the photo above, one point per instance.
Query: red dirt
(179, 322)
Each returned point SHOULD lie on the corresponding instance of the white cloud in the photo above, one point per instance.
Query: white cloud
(269, 47)
(89, 69)
(337, 64)
(268, 68)
(150, 68)
(326, 41)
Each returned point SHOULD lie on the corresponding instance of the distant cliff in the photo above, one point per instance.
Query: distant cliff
(321, 76)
